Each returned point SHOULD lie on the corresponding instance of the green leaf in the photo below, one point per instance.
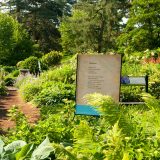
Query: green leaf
(44, 143)
(43, 150)
(42, 153)
(1, 146)
(15, 145)
(25, 151)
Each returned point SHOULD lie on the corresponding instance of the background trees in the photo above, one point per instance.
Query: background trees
(15, 44)
(41, 18)
(143, 27)
(74, 26)
(94, 25)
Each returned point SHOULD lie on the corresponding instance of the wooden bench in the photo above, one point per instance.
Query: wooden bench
(134, 81)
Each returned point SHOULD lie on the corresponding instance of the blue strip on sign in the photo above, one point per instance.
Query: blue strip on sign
(86, 110)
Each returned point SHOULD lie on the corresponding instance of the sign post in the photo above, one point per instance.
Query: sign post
(100, 74)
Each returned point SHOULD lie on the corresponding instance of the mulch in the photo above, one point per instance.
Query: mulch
(13, 98)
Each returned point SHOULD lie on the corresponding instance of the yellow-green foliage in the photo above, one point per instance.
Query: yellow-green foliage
(64, 73)
(52, 58)
(120, 133)
(30, 63)
(3, 89)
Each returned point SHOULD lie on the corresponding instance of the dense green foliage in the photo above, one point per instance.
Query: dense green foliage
(51, 59)
(15, 44)
(54, 94)
(3, 89)
(21, 150)
(142, 30)
(29, 91)
(8, 75)
(93, 26)
(41, 19)
(30, 63)
(51, 87)
(121, 132)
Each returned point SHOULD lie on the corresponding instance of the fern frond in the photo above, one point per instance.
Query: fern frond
(85, 142)
(110, 111)
(151, 102)
(113, 144)
(105, 105)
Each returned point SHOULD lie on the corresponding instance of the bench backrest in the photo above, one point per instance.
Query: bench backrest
(137, 81)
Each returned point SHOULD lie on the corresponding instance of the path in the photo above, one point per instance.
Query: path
(13, 98)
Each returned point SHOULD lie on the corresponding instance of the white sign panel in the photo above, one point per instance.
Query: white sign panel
(100, 74)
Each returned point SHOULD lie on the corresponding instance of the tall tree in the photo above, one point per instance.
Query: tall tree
(14, 41)
(41, 18)
(143, 27)
(96, 28)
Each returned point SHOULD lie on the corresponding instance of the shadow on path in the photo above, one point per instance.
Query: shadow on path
(13, 98)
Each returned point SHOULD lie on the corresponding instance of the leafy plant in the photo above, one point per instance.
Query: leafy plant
(9, 80)
(51, 59)
(30, 63)
(64, 73)
(20, 150)
(9, 69)
(15, 44)
(151, 102)
(155, 89)
(3, 89)
(55, 94)
(58, 126)
(120, 133)
(29, 91)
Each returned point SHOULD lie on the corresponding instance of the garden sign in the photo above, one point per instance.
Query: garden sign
(97, 74)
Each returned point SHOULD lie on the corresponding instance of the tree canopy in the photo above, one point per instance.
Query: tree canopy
(143, 27)
(79, 26)
(15, 44)
(41, 18)
(94, 25)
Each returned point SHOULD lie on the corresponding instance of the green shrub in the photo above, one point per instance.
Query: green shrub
(21, 80)
(131, 93)
(58, 127)
(55, 94)
(65, 73)
(51, 59)
(9, 80)
(9, 69)
(28, 91)
(154, 89)
(21, 150)
(30, 63)
(19, 64)
(7, 72)
(3, 90)
(15, 73)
